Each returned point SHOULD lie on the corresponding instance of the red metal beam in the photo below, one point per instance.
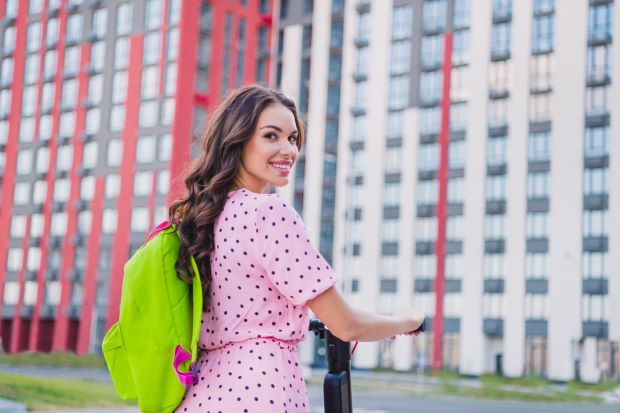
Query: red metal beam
(126, 171)
(61, 332)
(442, 177)
(184, 95)
(164, 42)
(90, 278)
(11, 151)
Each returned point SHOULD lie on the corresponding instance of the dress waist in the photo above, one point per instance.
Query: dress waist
(258, 340)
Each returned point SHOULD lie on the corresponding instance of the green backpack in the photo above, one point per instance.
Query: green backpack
(157, 322)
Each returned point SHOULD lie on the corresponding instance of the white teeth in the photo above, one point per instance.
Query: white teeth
(287, 167)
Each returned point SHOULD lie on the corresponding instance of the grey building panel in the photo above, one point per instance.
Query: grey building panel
(424, 211)
(452, 325)
(11, 276)
(496, 131)
(496, 169)
(74, 312)
(595, 202)
(48, 312)
(494, 246)
(295, 15)
(495, 207)
(455, 209)
(26, 311)
(388, 285)
(493, 327)
(8, 311)
(392, 178)
(593, 121)
(536, 328)
(423, 285)
(595, 244)
(394, 142)
(391, 212)
(598, 329)
(536, 286)
(538, 205)
(416, 41)
(429, 138)
(358, 180)
(458, 135)
(452, 285)
(539, 166)
(596, 161)
(494, 285)
(424, 247)
(540, 127)
(356, 145)
(427, 175)
(537, 245)
(454, 247)
(389, 248)
(456, 173)
(595, 286)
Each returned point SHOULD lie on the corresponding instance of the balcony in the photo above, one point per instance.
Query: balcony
(494, 285)
(595, 286)
(493, 327)
(598, 329)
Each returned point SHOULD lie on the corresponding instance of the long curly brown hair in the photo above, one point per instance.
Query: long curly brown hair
(212, 175)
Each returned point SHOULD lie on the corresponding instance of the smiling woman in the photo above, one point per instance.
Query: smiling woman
(259, 270)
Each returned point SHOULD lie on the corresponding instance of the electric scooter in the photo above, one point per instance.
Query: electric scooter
(337, 383)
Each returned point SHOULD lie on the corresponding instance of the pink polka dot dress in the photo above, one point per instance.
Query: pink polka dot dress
(264, 269)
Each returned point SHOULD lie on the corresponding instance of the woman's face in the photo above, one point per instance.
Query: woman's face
(268, 156)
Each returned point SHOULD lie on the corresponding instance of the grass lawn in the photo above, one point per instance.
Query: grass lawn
(45, 393)
(55, 358)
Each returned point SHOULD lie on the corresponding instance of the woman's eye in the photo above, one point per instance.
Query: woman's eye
(292, 138)
(271, 136)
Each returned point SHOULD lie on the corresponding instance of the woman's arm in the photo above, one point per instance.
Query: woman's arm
(349, 324)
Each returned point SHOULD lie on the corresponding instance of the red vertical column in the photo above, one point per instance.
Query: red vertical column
(12, 144)
(442, 178)
(126, 172)
(184, 95)
(41, 272)
(68, 255)
(18, 323)
(164, 44)
(217, 53)
(90, 278)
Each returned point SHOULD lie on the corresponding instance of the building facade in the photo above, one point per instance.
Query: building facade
(95, 119)
(476, 170)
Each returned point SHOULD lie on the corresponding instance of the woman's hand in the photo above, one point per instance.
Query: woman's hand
(414, 319)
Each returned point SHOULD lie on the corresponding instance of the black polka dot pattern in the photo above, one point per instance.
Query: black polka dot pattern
(264, 269)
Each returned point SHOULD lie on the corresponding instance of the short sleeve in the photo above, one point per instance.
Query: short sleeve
(289, 259)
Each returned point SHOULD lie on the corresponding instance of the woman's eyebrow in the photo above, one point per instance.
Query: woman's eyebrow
(279, 129)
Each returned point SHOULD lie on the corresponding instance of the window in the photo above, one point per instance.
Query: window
(542, 37)
(498, 113)
(495, 227)
(599, 28)
(393, 158)
(454, 228)
(152, 16)
(36, 225)
(67, 124)
(87, 188)
(123, 19)
(460, 47)
(359, 129)
(21, 195)
(538, 185)
(425, 266)
(35, 6)
(115, 152)
(599, 63)
(49, 68)
(496, 151)
(596, 141)
(458, 84)
(62, 188)
(538, 147)
(428, 158)
(595, 181)
(500, 40)
(39, 193)
(172, 51)
(175, 12)
(536, 265)
(398, 96)
(119, 87)
(454, 266)
(29, 101)
(149, 113)
(427, 192)
(8, 43)
(536, 225)
(43, 159)
(360, 95)
(165, 147)
(51, 37)
(72, 61)
(541, 72)
(5, 104)
(432, 50)
(595, 307)
(121, 53)
(6, 75)
(456, 190)
(163, 182)
(14, 259)
(89, 159)
(597, 100)
(390, 230)
(391, 194)
(395, 124)
(170, 79)
(145, 150)
(493, 305)
(431, 85)
(426, 229)
(33, 262)
(430, 120)
(363, 27)
(139, 220)
(460, 14)
(112, 186)
(150, 82)
(45, 127)
(402, 21)
(496, 188)
(11, 8)
(97, 56)
(457, 153)
(543, 6)
(333, 100)
(502, 9)
(74, 28)
(69, 94)
(58, 226)
(24, 162)
(434, 15)
(100, 22)
(33, 37)
(31, 71)
(595, 265)
(540, 107)
(117, 118)
(108, 223)
(595, 223)
(151, 48)
(400, 57)
(458, 116)
(536, 307)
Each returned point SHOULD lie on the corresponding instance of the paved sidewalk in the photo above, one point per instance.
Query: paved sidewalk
(9, 406)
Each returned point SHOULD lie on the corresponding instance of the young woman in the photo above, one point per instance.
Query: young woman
(260, 272)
